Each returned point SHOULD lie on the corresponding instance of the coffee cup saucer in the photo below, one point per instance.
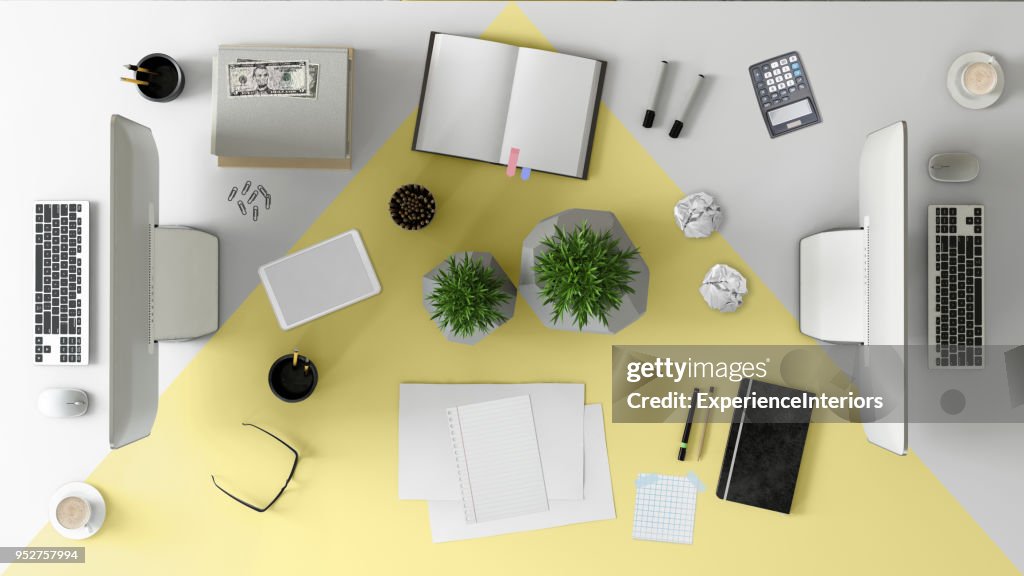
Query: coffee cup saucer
(956, 87)
(91, 495)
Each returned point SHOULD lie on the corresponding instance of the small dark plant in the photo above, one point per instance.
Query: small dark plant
(583, 274)
(467, 297)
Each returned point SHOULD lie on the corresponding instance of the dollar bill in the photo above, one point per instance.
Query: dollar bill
(313, 71)
(248, 79)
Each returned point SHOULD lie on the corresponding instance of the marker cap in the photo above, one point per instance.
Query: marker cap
(677, 128)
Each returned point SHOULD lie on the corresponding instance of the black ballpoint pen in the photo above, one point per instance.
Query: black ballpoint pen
(689, 424)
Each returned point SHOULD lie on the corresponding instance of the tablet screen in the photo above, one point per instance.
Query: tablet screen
(320, 279)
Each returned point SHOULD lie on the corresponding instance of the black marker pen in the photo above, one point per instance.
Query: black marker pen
(655, 95)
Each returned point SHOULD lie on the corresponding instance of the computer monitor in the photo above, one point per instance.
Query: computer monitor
(853, 283)
(163, 281)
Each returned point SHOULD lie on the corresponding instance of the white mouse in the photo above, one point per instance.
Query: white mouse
(953, 167)
(63, 402)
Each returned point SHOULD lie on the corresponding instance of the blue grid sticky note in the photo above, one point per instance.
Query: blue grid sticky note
(665, 508)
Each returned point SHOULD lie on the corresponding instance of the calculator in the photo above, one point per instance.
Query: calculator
(784, 94)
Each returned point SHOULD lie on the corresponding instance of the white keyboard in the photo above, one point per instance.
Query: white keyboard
(61, 283)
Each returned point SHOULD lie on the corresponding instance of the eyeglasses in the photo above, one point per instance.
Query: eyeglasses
(290, 474)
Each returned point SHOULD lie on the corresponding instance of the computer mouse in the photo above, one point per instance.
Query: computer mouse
(953, 167)
(63, 402)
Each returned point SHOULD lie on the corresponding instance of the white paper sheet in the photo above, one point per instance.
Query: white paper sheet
(495, 447)
(447, 522)
(426, 466)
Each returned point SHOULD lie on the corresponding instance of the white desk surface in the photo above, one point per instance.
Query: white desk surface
(870, 63)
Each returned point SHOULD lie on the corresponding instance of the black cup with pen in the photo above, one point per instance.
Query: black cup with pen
(158, 77)
(293, 377)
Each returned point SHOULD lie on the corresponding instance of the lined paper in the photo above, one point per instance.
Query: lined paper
(498, 461)
(448, 523)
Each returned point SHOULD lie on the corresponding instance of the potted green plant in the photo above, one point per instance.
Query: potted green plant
(581, 272)
(468, 296)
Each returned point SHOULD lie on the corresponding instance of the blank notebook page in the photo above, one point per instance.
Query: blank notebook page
(499, 470)
(465, 100)
(551, 111)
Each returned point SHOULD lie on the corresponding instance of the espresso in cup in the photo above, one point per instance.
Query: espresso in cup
(73, 512)
(979, 78)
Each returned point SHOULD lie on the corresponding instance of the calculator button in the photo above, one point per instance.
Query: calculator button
(797, 73)
(789, 83)
(777, 72)
(767, 104)
(802, 86)
(775, 64)
(799, 79)
(772, 89)
(785, 68)
(788, 76)
(782, 62)
(766, 68)
(795, 65)
(792, 90)
(769, 82)
(792, 58)
(764, 98)
(785, 98)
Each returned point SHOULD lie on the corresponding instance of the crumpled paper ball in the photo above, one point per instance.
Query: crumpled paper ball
(698, 215)
(723, 288)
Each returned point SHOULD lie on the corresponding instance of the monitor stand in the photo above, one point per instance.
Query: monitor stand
(184, 284)
(833, 309)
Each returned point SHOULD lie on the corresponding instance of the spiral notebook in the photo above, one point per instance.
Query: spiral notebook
(498, 460)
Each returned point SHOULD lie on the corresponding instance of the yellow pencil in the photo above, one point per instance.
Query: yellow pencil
(140, 69)
(134, 81)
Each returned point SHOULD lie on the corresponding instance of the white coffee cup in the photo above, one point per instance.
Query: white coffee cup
(74, 512)
(979, 78)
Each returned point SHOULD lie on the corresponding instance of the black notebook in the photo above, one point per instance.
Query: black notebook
(481, 99)
(762, 456)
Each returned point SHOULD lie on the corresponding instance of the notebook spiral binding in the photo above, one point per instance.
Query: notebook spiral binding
(465, 490)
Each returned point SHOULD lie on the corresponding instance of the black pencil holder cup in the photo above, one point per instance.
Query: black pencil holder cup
(167, 82)
(290, 381)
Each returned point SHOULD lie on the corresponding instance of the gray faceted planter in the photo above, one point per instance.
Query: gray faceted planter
(488, 260)
(633, 305)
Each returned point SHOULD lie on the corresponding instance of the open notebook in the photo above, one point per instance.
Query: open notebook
(480, 99)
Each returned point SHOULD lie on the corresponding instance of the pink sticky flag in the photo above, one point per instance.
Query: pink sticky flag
(513, 158)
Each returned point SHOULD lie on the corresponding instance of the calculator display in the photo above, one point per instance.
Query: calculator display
(790, 112)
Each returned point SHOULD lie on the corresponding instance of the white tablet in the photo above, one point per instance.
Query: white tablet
(319, 280)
